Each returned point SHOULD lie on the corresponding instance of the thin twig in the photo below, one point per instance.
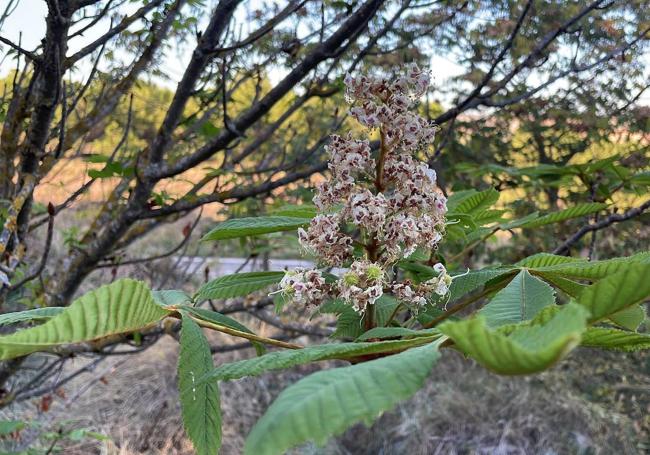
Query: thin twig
(615, 218)
(46, 253)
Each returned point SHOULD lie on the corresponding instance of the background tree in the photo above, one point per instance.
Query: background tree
(253, 106)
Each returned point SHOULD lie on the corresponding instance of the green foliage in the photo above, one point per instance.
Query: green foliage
(199, 402)
(348, 321)
(593, 270)
(121, 307)
(630, 318)
(286, 359)
(246, 227)
(628, 286)
(237, 285)
(296, 211)
(528, 348)
(468, 282)
(472, 202)
(621, 340)
(171, 297)
(545, 260)
(395, 332)
(520, 300)
(326, 403)
(563, 215)
(37, 314)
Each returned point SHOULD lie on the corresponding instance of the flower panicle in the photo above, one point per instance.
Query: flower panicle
(387, 199)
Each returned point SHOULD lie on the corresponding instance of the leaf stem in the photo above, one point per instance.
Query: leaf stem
(248, 336)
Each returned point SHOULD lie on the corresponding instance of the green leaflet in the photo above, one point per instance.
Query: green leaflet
(520, 300)
(628, 286)
(563, 215)
(630, 318)
(475, 203)
(169, 297)
(220, 319)
(296, 211)
(569, 287)
(529, 348)
(121, 307)
(199, 402)
(511, 224)
(237, 285)
(246, 227)
(348, 322)
(36, 314)
(328, 402)
(593, 270)
(384, 307)
(465, 283)
(286, 359)
(545, 260)
(621, 340)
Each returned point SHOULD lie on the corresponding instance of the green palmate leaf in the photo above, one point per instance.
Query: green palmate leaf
(476, 203)
(593, 270)
(223, 320)
(237, 285)
(286, 359)
(528, 348)
(520, 300)
(620, 340)
(629, 318)
(169, 297)
(122, 307)
(246, 227)
(395, 332)
(567, 214)
(199, 402)
(627, 287)
(38, 314)
(545, 260)
(328, 402)
(465, 283)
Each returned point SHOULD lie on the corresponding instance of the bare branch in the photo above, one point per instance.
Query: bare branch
(30, 55)
(602, 224)
(114, 31)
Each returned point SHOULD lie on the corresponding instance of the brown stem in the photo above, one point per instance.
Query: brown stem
(379, 177)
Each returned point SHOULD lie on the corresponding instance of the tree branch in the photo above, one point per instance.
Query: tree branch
(602, 224)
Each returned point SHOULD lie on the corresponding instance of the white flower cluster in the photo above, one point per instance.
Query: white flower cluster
(418, 294)
(307, 287)
(362, 285)
(391, 199)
